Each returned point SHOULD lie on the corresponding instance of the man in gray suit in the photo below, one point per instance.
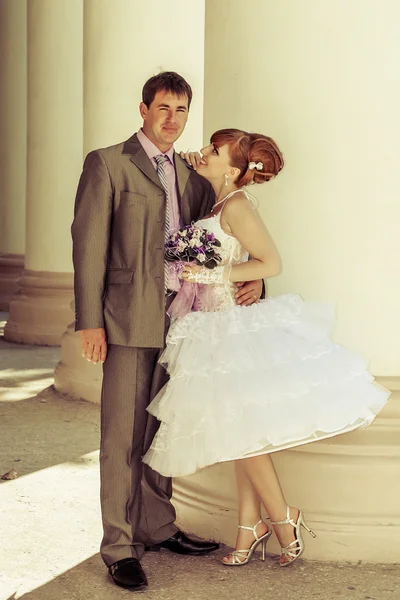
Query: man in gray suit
(129, 196)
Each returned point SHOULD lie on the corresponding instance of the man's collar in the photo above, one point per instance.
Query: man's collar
(151, 149)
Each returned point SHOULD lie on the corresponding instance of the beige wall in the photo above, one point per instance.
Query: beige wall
(127, 42)
(13, 92)
(322, 78)
(71, 112)
(54, 130)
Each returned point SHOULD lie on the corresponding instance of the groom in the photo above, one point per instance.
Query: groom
(128, 195)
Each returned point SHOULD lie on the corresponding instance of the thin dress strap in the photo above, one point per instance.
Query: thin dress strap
(226, 198)
(253, 201)
(250, 198)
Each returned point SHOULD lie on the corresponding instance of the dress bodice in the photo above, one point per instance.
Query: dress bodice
(231, 251)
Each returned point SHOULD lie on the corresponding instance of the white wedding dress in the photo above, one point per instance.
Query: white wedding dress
(251, 380)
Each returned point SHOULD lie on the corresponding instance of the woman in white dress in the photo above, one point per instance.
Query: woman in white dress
(246, 381)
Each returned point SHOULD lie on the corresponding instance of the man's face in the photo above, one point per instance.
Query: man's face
(165, 119)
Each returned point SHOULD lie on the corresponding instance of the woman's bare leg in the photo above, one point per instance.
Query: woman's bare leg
(261, 473)
(249, 510)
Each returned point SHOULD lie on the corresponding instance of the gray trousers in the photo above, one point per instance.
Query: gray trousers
(135, 500)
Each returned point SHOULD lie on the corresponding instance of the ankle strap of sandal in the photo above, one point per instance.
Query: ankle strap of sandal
(253, 529)
(287, 521)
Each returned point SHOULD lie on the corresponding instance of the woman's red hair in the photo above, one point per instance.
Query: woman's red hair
(245, 148)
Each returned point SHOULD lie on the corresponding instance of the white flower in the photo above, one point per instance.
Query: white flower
(259, 166)
(201, 257)
(183, 233)
(182, 246)
(194, 243)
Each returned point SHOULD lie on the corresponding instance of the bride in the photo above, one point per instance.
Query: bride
(249, 381)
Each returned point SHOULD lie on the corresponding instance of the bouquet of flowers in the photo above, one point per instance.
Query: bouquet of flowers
(193, 244)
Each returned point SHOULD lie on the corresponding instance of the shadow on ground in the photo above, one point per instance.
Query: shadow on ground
(46, 430)
(39, 427)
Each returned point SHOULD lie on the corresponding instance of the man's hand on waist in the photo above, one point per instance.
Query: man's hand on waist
(94, 344)
(248, 292)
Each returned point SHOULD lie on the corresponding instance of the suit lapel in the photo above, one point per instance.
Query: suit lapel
(141, 160)
(182, 176)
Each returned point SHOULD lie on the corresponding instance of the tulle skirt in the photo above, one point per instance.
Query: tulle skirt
(254, 380)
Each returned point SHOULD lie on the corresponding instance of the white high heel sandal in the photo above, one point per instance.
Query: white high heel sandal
(242, 557)
(296, 548)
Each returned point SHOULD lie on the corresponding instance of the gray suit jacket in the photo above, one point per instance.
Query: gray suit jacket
(118, 242)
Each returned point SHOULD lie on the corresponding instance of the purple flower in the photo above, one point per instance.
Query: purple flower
(192, 243)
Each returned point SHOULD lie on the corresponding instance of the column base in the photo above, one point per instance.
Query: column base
(41, 309)
(74, 375)
(11, 267)
(348, 487)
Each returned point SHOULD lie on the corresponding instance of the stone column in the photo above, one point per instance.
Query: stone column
(137, 41)
(13, 145)
(41, 309)
(321, 78)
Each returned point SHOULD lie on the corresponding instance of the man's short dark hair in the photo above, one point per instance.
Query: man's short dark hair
(169, 81)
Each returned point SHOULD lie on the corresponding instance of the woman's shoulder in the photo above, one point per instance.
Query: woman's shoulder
(238, 202)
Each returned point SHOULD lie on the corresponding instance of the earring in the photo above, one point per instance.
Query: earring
(226, 179)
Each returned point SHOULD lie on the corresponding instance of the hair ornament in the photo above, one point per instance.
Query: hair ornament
(259, 166)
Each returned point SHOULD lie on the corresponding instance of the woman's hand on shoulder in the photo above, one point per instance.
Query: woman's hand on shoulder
(192, 158)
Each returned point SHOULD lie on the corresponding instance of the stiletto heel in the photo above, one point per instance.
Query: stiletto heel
(296, 548)
(242, 557)
(263, 548)
(304, 524)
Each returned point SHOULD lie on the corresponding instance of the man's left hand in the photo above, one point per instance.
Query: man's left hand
(248, 292)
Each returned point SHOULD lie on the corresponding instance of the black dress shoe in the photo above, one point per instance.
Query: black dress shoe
(181, 544)
(128, 573)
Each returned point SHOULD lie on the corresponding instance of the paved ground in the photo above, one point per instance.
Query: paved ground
(50, 521)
